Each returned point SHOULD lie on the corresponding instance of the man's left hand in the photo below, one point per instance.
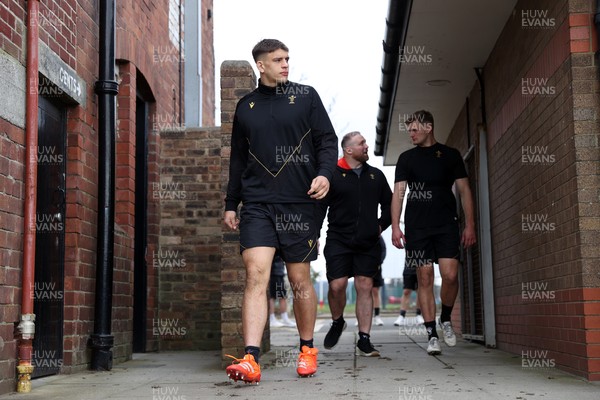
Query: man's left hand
(468, 238)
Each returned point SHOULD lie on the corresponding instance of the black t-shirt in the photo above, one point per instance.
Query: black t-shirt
(430, 173)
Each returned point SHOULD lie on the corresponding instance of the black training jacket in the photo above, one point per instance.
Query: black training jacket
(354, 204)
(282, 139)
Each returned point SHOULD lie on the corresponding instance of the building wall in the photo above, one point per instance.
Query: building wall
(541, 102)
(148, 64)
(189, 257)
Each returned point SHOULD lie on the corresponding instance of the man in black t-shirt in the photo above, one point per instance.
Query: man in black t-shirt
(432, 232)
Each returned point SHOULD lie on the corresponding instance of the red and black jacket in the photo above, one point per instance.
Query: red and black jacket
(354, 203)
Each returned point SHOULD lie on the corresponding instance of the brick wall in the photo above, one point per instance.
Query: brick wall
(237, 79)
(586, 103)
(188, 259)
(70, 29)
(465, 134)
(11, 229)
(541, 97)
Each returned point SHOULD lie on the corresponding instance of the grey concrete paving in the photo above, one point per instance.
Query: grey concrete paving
(403, 372)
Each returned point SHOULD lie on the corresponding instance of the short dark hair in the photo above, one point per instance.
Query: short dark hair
(347, 137)
(421, 116)
(266, 46)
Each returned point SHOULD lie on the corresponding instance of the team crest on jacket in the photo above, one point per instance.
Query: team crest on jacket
(292, 99)
(438, 154)
(372, 176)
(310, 242)
(252, 105)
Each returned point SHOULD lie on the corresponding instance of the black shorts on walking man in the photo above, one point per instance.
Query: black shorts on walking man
(430, 170)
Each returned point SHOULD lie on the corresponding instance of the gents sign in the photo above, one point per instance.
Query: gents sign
(71, 87)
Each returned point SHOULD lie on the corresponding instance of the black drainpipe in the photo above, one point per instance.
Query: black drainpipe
(395, 37)
(479, 72)
(106, 88)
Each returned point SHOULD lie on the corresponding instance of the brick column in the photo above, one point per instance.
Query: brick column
(188, 259)
(586, 103)
(237, 79)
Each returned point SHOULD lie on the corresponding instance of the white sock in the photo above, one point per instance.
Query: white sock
(272, 316)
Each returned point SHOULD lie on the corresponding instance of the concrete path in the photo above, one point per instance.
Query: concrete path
(403, 372)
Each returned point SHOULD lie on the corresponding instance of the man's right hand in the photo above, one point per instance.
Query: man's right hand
(230, 220)
(398, 238)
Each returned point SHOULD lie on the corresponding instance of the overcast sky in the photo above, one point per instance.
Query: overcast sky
(336, 47)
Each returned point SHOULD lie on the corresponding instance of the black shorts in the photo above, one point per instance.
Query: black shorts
(344, 261)
(409, 280)
(427, 246)
(378, 279)
(277, 287)
(293, 229)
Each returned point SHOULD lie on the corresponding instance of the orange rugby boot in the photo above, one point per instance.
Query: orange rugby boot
(307, 361)
(244, 369)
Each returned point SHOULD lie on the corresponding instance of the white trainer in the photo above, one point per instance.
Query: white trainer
(275, 323)
(400, 321)
(449, 336)
(378, 321)
(433, 347)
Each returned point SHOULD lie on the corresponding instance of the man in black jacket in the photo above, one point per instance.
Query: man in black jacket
(283, 153)
(352, 249)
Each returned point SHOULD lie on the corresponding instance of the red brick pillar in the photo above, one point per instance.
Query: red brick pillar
(237, 79)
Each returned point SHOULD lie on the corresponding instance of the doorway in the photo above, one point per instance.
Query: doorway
(48, 288)
(140, 274)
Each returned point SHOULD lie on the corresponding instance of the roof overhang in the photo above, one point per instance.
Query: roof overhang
(439, 48)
